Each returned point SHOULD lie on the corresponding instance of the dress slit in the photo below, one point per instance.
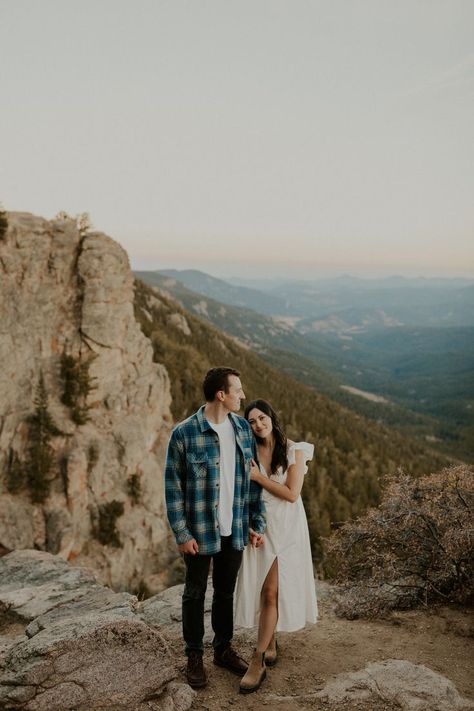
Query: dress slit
(267, 573)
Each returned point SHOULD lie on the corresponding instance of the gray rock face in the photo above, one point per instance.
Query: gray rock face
(63, 290)
(84, 646)
(411, 687)
(164, 609)
(33, 582)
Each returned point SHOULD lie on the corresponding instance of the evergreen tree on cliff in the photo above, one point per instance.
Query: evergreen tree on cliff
(40, 452)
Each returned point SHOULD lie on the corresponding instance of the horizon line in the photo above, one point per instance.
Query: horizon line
(364, 273)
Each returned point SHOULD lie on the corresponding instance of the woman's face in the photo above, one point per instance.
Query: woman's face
(260, 423)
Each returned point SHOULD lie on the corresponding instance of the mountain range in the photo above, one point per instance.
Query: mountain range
(346, 303)
(418, 378)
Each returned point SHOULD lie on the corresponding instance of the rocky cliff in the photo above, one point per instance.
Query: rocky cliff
(84, 410)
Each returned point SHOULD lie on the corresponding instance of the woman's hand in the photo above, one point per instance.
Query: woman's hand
(256, 539)
(255, 473)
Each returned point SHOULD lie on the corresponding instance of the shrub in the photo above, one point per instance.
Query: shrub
(141, 590)
(3, 224)
(84, 223)
(415, 548)
(134, 488)
(92, 456)
(15, 478)
(82, 220)
(106, 531)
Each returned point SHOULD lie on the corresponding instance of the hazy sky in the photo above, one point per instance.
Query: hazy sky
(247, 136)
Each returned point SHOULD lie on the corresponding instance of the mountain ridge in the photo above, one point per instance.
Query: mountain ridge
(318, 362)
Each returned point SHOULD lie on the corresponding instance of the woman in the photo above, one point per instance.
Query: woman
(275, 588)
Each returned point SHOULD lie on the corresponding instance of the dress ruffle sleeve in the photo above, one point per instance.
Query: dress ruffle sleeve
(308, 451)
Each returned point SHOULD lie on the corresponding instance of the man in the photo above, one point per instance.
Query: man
(214, 510)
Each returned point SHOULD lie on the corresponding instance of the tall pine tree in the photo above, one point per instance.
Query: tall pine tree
(40, 456)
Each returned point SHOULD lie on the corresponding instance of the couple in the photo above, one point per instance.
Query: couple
(216, 498)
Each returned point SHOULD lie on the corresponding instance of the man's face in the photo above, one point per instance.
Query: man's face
(231, 399)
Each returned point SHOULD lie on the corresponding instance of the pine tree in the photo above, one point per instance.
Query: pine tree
(77, 386)
(40, 457)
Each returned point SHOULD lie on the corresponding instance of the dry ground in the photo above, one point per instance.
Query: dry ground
(441, 638)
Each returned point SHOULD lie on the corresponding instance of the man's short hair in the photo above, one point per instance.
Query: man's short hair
(217, 379)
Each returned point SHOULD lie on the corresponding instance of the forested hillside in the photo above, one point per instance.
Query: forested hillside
(428, 371)
(426, 389)
(351, 453)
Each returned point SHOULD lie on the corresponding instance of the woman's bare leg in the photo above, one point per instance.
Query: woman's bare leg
(268, 608)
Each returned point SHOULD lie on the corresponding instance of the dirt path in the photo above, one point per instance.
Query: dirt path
(440, 639)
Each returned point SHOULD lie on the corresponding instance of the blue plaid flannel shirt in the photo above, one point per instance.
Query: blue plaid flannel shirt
(192, 484)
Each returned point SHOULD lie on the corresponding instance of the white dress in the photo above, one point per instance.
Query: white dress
(286, 538)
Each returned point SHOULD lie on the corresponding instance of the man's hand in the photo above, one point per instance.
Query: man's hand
(256, 539)
(191, 547)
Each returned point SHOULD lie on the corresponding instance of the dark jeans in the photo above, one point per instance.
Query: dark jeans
(225, 566)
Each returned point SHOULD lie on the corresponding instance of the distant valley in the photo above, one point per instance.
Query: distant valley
(345, 304)
(399, 351)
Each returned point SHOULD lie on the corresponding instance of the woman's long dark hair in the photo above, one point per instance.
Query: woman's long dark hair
(279, 456)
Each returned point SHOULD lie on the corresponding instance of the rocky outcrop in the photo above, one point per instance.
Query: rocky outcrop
(410, 687)
(68, 292)
(70, 643)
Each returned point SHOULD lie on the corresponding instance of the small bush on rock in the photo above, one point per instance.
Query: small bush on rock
(3, 223)
(92, 456)
(134, 488)
(82, 220)
(106, 531)
(142, 591)
(15, 472)
(415, 548)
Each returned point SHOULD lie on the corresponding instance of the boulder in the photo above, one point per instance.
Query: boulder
(164, 609)
(82, 647)
(410, 687)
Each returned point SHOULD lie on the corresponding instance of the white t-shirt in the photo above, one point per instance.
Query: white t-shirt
(226, 434)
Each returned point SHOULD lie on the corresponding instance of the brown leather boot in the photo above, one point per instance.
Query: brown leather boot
(195, 672)
(271, 654)
(254, 675)
(230, 660)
